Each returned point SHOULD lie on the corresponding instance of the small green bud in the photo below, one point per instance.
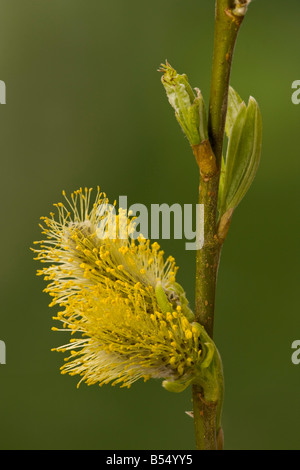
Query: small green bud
(189, 107)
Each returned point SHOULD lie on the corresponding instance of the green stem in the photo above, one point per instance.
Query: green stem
(207, 259)
(208, 402)
(204, 428)
(226, 30)
(207, 414)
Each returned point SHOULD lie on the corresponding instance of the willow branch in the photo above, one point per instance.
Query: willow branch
(208, 431)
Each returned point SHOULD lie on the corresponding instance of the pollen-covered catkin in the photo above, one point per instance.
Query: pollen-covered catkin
(105, 287)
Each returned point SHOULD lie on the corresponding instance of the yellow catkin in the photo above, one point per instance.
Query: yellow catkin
(106, 290)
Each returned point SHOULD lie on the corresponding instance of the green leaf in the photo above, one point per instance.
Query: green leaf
(203, 128)
(243, 153)
(169, 299)
(162, 299)
(221, 182)
(176, 387)
(234, 102)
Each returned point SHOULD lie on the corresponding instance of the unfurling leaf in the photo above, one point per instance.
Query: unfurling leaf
(234, 103)
(244, 127)
(189, 106)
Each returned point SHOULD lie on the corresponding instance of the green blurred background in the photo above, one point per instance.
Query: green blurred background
(85, 106)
